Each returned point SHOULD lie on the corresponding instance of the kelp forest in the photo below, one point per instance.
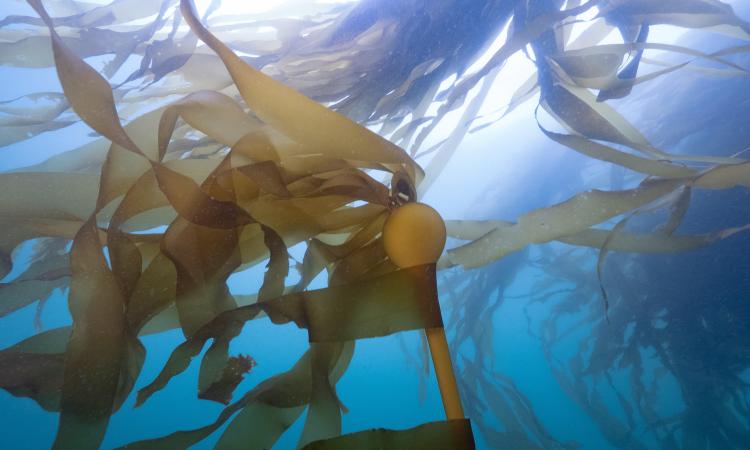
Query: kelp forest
(216, 142)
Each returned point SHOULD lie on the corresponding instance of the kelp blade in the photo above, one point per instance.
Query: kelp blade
(450, 435)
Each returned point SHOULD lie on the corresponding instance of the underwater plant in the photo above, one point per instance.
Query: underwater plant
(145, 225)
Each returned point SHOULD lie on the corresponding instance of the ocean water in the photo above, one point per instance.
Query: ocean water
(544, 358)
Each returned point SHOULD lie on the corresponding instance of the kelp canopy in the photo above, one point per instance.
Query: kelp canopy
(211, 158)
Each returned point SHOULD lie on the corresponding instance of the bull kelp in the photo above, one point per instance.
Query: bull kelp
(218, 151)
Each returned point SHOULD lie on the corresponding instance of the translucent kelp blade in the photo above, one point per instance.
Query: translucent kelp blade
(47, 106)
(48, 270)
(66, 196)
(296, 115)
(603, 152)
(446, 151)
(268, 177)
(204, 258)
(677, 211)
(641, 243)
(258, 426)
(212, 113)
(726, 176)
(319, 255)
(682, 13)
(17, 133)
(545, 224)
(277, 268)
(401, 300)
(84, 14)
(89, 94)
(20, 230)
(324, 413)
(34, 368)
(223, 384)
(153, 293)
(450, 435)
(519, 40)
(596, 67)
(284, 398)
(31, 49)
(212, 382)
(265, 412)
(603, 251)
(658, 242)
(18, 294)
(96, 352)
(199, 208)
(577, 109)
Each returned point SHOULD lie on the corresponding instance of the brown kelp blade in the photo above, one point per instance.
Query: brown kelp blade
(398, 301)
(89, 94)
(34, 367)
(450, 435)
(97, 350)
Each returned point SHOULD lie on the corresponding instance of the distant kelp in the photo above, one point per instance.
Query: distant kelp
(252, 184)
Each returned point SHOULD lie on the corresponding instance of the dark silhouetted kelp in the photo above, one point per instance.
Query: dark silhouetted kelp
(271, 168)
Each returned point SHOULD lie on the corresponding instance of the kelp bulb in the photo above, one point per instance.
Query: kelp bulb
(414, 234)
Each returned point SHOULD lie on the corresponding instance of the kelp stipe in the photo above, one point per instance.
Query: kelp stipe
(254, 184)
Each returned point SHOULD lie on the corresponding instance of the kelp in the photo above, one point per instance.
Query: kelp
(436, 435)
(48, 271)
(202, 247)
(662, 325)
(206, 166)
(406, 307)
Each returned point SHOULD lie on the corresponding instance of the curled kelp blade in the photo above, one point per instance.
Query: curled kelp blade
(210, 112)
(294, 114)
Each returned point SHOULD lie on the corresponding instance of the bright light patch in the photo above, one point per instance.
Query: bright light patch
(276, 7)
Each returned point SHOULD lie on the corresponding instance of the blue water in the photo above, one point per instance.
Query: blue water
(698, 300)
